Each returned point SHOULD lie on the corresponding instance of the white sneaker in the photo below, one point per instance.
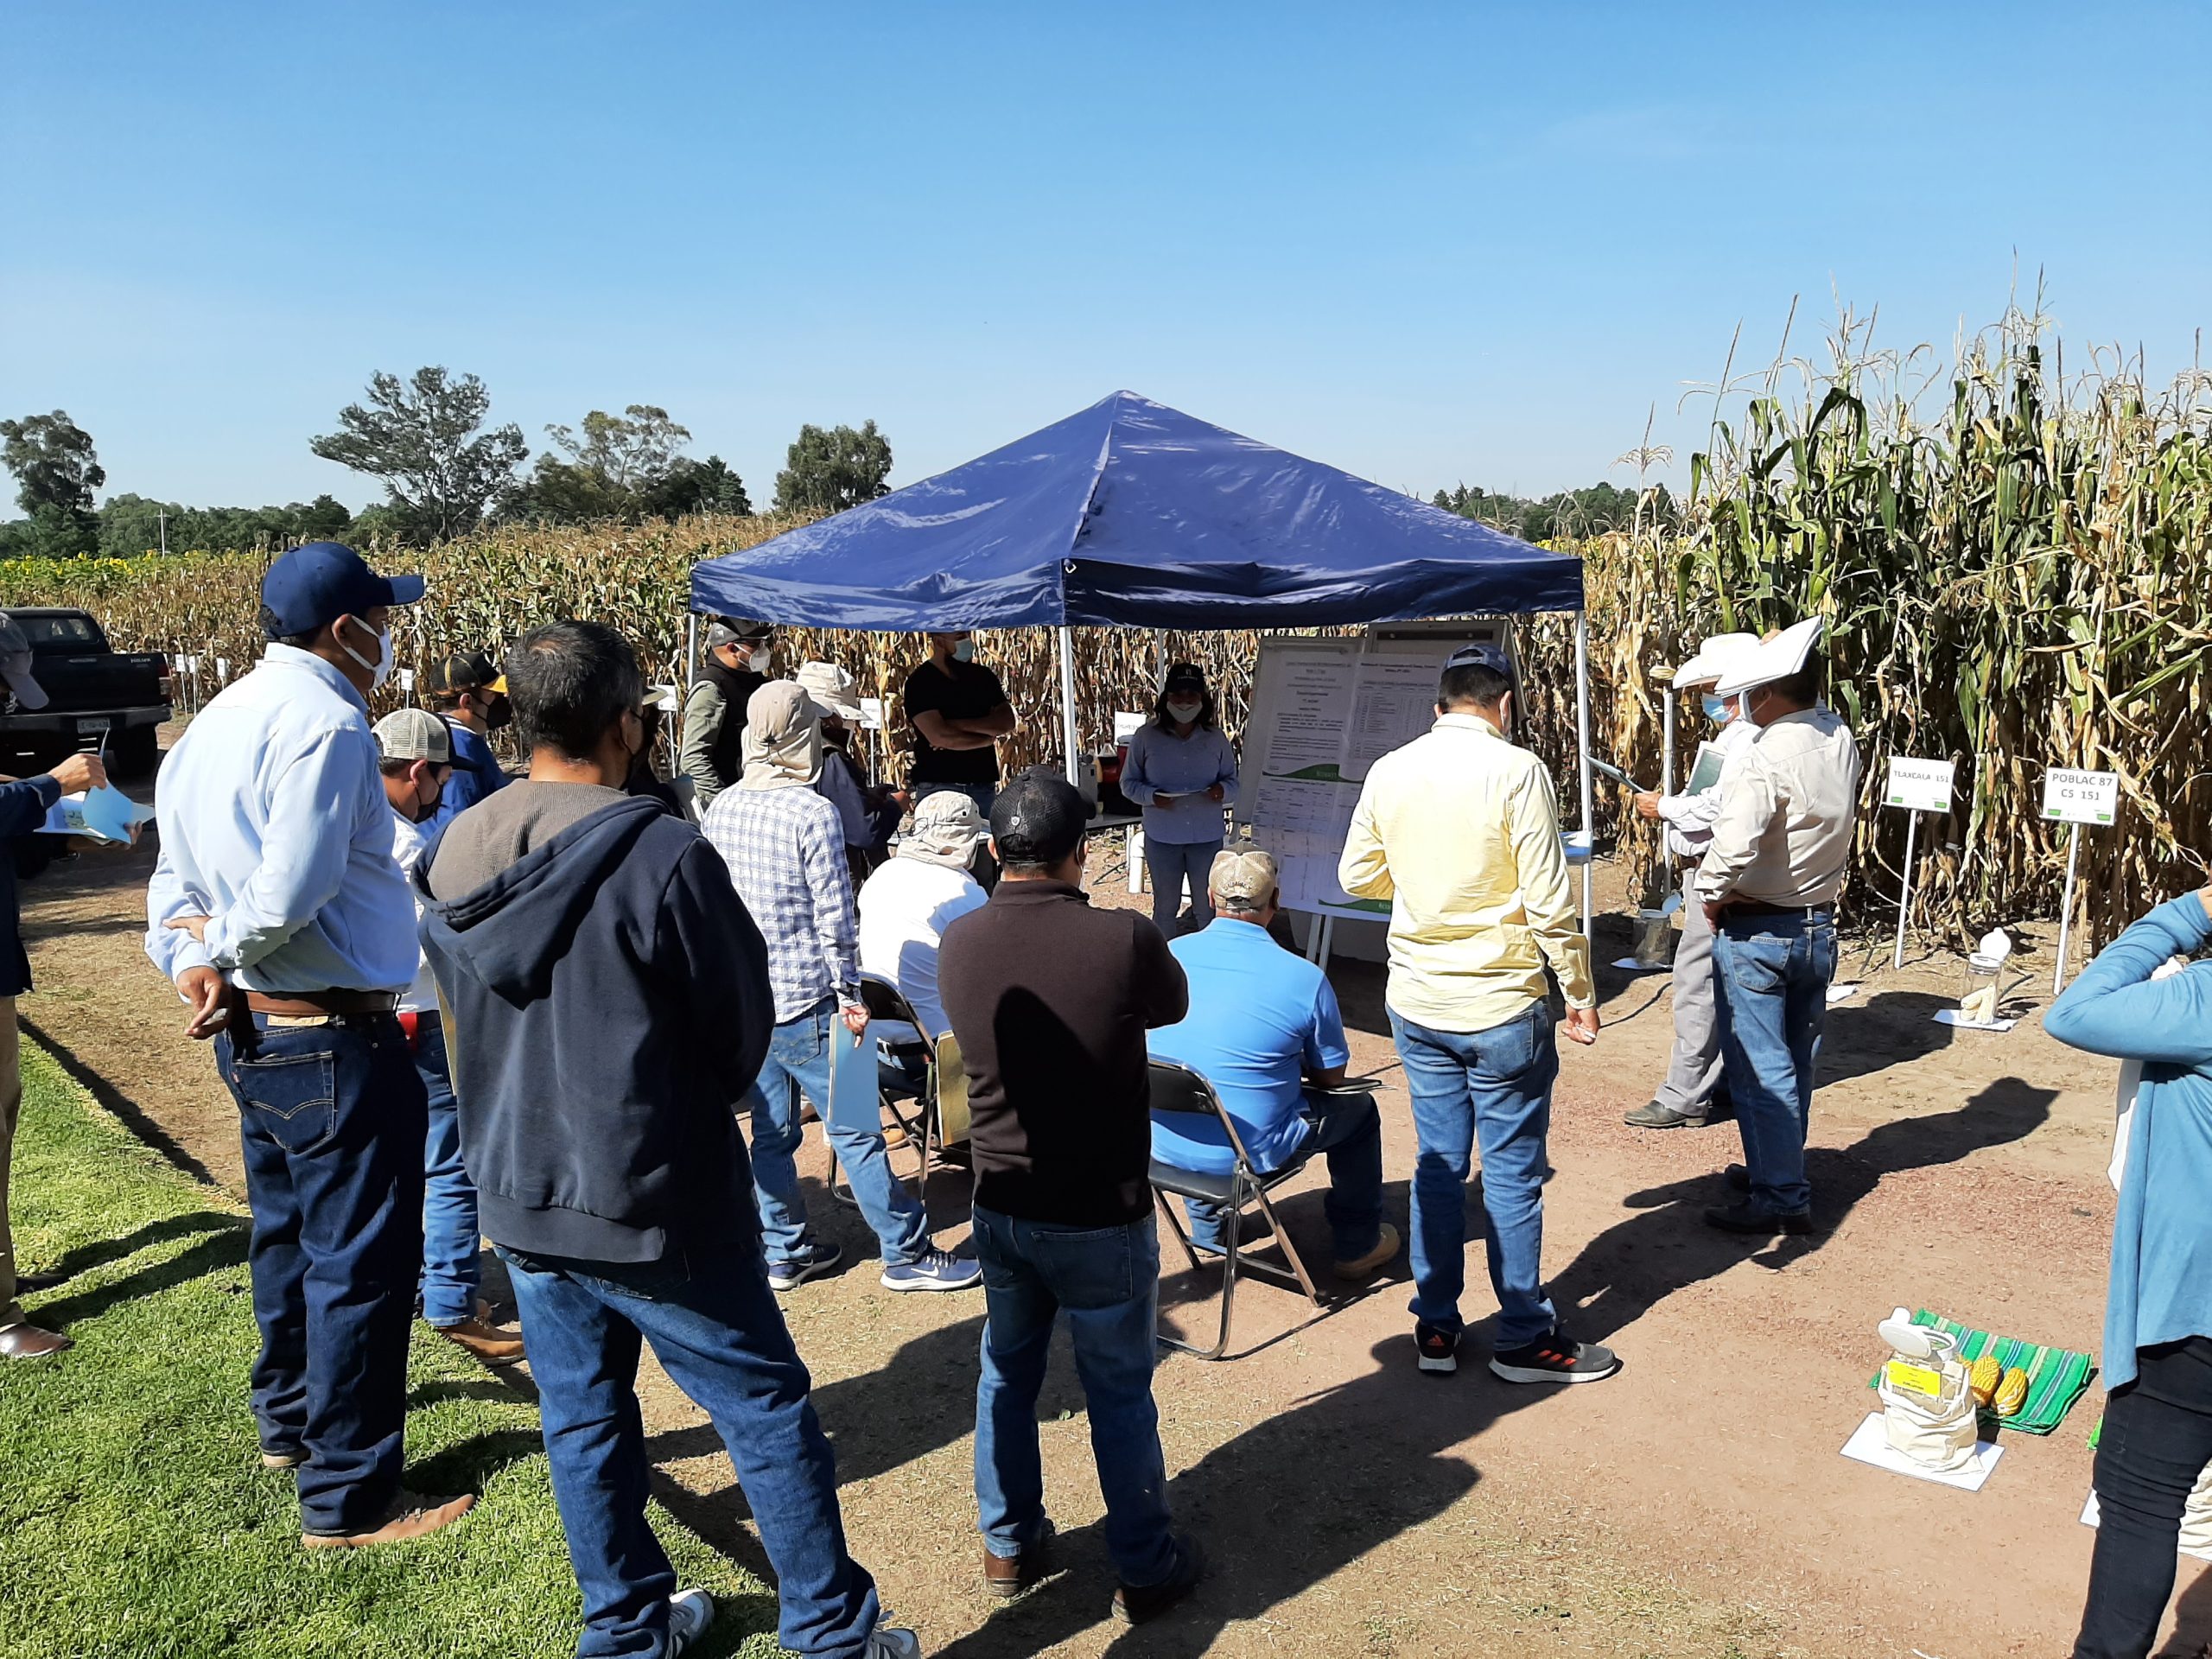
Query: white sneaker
(689, 1613)
(884, 1643)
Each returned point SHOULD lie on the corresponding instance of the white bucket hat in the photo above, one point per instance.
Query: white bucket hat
(833, 690)
(1716, 657)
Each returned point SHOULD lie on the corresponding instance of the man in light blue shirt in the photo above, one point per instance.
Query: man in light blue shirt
(279, 913)
(1264, 1030)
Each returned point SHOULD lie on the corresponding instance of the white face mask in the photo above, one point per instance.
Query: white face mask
(380, 669)
(1186, 711)
(759, 661)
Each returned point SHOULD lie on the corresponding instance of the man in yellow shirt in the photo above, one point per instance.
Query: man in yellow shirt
(1460, 830)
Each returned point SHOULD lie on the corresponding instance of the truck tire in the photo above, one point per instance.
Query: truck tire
(137, 752)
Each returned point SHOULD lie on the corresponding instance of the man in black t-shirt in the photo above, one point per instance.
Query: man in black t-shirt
(958, 711)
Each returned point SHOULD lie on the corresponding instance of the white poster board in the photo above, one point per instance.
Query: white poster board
(2070, 797)
(1919, 786)
(1323, 710)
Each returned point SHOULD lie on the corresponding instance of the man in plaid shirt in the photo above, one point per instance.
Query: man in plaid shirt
(785, 848)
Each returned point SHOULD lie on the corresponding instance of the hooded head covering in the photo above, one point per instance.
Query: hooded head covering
(947, 828)
(783, 738)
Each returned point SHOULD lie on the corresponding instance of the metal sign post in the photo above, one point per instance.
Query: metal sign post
(1917, 786)
(2075, 798)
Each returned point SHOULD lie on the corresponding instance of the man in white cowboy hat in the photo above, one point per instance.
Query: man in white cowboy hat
(1686, 1096)
(907, 904)
(1780, 846)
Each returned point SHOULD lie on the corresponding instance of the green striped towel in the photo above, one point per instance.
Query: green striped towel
(2056, 1376)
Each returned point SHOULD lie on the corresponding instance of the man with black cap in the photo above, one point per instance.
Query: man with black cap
(421, 764)
(1460, 830)
(1049, 999)
(24, 804)
(739, 656)
(278, 911)
(468, 691)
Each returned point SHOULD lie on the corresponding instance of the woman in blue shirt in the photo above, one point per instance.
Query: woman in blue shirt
(1181, 771)
(2158, 1348)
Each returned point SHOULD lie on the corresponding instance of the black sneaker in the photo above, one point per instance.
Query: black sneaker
(1438, 1349)
(1135, 1603)
(1753, 1222)
(1739, 1178)
(1555, 1359)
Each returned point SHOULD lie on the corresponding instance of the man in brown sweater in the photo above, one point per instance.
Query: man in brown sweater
(1050, 1001)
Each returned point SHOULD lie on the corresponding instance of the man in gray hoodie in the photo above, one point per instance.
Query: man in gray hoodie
(608, 1001)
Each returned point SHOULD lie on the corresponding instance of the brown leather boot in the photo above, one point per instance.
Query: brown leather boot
(411, 1516)
(484, 1339)
(32, 1342)
(1009, 1575)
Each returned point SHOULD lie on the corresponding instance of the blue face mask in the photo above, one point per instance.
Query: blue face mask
(963, 653)
(1716, 709)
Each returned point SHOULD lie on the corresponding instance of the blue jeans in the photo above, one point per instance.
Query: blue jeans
(330, 1119)
(720, 1336)
(1770, 975)
(982, 794)
(451, 1235)
(1493, 1087)
(798, 1061)
(1107, 1279)
(1349, 1130)
(1167, 865)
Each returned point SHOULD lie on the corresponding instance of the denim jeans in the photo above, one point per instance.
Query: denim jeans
(332, 1123)
(451, 1235)
(1349, 1129)
(1167, 865)
(718, 1334)
(982, 794)
(1107, 1281)
(1493, 1087)
(2157, 1442)
(1770, 977)
(798, 1062)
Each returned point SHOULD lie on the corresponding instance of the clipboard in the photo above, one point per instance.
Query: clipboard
(1705, 770)
(1615, 773)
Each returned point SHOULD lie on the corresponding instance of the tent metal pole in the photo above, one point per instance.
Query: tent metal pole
(1067, 704)
(1582, 749)
(690, 650)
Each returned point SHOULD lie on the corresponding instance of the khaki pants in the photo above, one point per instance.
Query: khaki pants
(11, 1101)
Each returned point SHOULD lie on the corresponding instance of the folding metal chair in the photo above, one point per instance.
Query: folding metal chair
(1176, 1088)
(917, 1107)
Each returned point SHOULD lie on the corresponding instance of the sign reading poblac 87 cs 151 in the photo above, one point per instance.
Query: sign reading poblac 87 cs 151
(1919, 786)
(2070, 797)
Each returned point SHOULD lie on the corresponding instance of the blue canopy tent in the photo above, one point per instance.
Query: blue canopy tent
(1129, 514)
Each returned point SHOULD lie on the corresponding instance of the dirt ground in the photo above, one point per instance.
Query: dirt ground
(1694, 1505)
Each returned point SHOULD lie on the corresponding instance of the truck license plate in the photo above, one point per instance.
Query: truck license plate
(101, 724)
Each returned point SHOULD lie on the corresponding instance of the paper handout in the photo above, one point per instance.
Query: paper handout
(104, 814)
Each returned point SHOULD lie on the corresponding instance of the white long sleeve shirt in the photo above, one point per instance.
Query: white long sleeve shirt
(1689, 817)
(1789, 806)
(275, 826)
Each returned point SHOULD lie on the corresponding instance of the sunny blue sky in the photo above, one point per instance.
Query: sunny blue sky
(1426, 243)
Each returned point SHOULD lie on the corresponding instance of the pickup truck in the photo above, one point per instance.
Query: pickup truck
(96, 698)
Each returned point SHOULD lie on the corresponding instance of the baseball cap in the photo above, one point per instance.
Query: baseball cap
(319, 582)
(16, 664)
(1039, 818)
(460, 671)
(1244, 880)
(736, 631)
(832, 688)
(418, 735)
(1185, 674)
(1482, 651)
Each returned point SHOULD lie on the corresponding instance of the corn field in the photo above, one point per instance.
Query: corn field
(2013, 563)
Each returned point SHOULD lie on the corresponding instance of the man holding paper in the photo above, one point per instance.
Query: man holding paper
(24, 804)
(1686, 1097)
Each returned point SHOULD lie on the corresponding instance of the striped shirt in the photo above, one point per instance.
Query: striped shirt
(785, 849)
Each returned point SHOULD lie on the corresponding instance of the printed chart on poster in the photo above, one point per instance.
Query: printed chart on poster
(1323, 710)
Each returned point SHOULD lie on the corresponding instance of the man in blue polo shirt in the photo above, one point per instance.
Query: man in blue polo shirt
(1264, 1030)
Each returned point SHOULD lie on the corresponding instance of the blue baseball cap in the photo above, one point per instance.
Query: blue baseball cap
(1482, 651)
(317, 583)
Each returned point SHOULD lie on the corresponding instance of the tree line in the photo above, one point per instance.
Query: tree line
(445, 468)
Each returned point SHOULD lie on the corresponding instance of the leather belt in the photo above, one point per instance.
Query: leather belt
(1760, 908)
(305, 1004)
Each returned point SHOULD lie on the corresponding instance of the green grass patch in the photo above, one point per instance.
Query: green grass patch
(135, 1518)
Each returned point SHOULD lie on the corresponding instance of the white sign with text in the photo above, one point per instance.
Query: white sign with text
(1919, 786)
(2070, 797)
